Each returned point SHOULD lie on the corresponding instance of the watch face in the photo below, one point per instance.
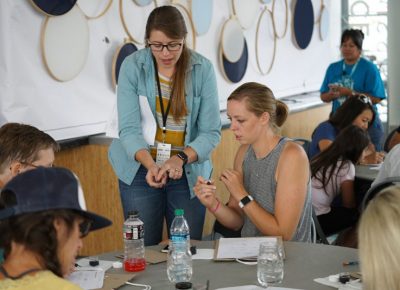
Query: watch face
(245, 200)
(183, 156)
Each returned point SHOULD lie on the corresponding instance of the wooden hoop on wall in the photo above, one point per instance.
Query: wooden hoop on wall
(142, 3)
(323, 23)
(235, 57)
(191, 24)
(286, 19)
(100, 14)
(237, 12)
(115, 61)
(52, 70)
(125, 26)
(221, 63)
(40, 10)
(204, 28)
(257, 40)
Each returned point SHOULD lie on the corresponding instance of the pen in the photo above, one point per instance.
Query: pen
(350, 263)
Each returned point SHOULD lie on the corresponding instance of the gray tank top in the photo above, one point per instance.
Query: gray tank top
(259, 181)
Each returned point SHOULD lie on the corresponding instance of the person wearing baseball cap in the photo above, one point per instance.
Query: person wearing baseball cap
(43, 219)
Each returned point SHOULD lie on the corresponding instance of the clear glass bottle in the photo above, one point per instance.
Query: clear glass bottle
(134, 260)
(179, 264)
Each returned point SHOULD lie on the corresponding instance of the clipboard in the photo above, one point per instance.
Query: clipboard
(230, 249)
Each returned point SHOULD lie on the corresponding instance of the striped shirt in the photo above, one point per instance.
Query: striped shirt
(175, 131)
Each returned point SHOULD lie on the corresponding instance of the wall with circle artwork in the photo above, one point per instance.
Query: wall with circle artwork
(59, 60)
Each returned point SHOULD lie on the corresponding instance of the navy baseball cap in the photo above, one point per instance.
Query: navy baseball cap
(44, 189)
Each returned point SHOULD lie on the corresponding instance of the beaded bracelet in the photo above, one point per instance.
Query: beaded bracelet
(216, 207)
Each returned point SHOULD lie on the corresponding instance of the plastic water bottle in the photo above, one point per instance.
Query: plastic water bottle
(134, 260)
(179, 265)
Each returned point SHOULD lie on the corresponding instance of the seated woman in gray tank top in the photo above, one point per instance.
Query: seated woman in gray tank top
(270, 193)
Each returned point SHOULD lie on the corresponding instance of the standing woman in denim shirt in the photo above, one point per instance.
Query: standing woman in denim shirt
(354, 75)
(180, 87)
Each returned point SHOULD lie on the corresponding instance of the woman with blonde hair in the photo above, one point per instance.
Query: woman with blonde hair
(269, 184)
(379, 240)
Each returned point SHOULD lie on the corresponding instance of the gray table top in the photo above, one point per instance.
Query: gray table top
(368, 172)
(304, 262)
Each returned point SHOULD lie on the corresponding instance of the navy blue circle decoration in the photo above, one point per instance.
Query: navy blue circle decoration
(235, 71)
(53, 7)
(125, 50)
(303, 22)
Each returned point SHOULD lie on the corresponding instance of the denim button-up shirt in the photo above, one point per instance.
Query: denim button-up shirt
(203, 128)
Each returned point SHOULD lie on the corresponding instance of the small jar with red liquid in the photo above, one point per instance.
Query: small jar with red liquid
(134, 260)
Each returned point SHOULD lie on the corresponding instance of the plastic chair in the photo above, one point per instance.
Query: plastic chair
(386, 182)
(386, 145)
(305, 143)
(223, 231)
(318, 235)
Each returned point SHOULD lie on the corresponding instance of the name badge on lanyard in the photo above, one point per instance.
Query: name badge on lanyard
(347, 79)
(163, 149)
(163, 153)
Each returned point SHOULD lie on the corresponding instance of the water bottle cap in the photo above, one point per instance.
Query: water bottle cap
(134, 213)
(183, 285)
(179, 211)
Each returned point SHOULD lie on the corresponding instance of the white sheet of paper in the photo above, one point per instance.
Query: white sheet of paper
(88, 279)
(203, 254)
(111, 128)
(84, 264)
(240, 247)
(149, 126)
(254, 287)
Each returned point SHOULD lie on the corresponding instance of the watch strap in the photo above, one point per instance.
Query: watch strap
(245, 200)
(182, 155)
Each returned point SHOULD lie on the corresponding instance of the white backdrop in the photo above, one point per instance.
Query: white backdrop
(81, 107)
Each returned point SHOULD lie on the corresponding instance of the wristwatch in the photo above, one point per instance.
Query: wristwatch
(182, 155)
(245, 200)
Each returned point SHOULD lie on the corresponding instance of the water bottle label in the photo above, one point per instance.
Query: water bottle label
(133, 232)
(179, 238)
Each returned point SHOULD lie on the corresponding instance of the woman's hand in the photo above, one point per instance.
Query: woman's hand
(154, 178)
(373, 158)
(233, 181)
(343, 91)
(334, 92)
(172, 168)
(205, 191)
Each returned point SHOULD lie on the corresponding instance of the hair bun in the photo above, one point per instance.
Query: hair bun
(282, 111)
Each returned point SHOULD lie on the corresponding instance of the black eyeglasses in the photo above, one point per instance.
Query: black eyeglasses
(84, 227)
(173, 46)
(33, 165)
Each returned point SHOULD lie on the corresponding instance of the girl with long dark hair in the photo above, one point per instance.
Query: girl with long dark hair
(332, 174)
(356, 111)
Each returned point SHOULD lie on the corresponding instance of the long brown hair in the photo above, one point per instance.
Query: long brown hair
(37, 233)
(170, 21)
(348, 146)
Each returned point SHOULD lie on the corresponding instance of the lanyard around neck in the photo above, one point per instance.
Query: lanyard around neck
(352, 69)
(163, 113)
